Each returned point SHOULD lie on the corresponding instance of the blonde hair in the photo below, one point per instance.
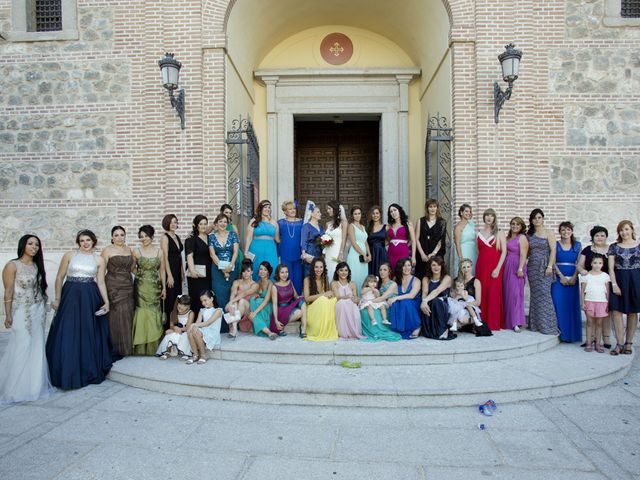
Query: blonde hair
(623, 224)
(286, 204)
(494, 225)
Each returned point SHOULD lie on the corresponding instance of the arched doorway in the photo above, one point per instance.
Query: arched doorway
(400, 71)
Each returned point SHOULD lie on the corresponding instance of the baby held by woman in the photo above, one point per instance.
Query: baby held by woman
(461, 310)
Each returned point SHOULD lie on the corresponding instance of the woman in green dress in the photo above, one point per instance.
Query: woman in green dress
(380, 331)
(260, 303)
(150, 290)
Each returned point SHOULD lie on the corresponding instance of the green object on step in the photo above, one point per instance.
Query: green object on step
(347, 364)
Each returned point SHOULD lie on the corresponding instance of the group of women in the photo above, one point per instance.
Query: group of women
(344, 278)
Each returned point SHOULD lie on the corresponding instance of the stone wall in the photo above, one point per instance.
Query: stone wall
(608, 71)
(607, 214)
(593, 175)
(586, 20)
(56, 227)
(603, 124)
(70, 179)
(79, 132)
(64, 82)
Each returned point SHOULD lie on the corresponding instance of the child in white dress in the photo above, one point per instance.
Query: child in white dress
(176, 339)
(204, 334)
(594, 299)
(369, 293)
(461, 312)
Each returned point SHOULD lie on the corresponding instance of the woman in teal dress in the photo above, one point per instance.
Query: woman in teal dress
(359, 256)
(150, 290)
(228, 211)
(380, 332)
(262, 236)
(260, 303)
(464, 237)
(223, 248)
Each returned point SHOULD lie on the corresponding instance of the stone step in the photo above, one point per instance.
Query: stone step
(563, 370)
(421, 351)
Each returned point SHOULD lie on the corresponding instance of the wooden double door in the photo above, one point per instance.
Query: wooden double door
(337, 161)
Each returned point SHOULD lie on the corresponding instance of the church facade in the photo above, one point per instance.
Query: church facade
(329, 99)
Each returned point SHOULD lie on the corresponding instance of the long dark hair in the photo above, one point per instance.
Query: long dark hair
(337, 216)
(340, 266)
(398, 270)
(370, 220)
(194, 226)
(257, 217)
(443, 266)
(404, 219)
(38, 259)
(313, 287)
(532, 229)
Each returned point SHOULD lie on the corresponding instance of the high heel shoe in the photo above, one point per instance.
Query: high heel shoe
(301, 333)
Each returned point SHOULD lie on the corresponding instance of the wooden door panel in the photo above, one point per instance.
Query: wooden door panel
(358, 176)
(316, 175)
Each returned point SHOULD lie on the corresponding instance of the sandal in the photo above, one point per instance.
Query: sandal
(164, 356)
(599, 348)
(617, 350)
(589, 348)
(202, 361)
(606, 342)
(192, 360)
(273, 336)
(301, 333)
(627, 350)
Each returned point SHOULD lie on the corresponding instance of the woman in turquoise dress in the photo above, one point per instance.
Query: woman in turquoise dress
(223, 248)
(380, 332)
(565, 291)
(260, 303)
(262, 236)
(150, 290)
(228, 211)
(464, 237)
(359, 255)
(290, 252)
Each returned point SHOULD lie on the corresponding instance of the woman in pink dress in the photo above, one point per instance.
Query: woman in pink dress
(492, 252)
(348, 319)
(400, 236)
(514, 275)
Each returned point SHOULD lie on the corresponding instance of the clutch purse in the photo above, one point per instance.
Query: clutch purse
(223, 265)
(201, 270)
(361, 258)
(250, 256)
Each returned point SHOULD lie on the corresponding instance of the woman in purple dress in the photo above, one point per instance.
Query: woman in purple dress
(514, 275)
(290, 235)
(287, 305)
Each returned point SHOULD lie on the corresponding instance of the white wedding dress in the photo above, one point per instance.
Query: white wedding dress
(332, 251)
(24, 373)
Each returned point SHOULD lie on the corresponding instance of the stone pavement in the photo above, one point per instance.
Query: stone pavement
(111, 431)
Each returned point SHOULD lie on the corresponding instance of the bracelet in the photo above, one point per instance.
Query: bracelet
(8, 301)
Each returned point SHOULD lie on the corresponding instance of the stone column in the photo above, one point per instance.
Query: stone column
(403, 140)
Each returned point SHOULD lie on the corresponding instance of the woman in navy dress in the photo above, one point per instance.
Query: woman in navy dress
(196, 249)
(377, 237)
(309, 236)
(435, 290)
(171, 247)
(78, 348)
(565, 291)
(624, 270)
(290, 251)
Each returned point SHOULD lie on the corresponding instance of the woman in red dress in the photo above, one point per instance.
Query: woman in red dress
(491, 254)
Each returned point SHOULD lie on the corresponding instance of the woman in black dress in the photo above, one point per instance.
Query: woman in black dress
(171, 247)
(196, 248)
(431, 236)
(377, 237)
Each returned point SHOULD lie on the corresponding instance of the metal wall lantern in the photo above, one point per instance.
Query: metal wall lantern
(510, 63)
(170, 69)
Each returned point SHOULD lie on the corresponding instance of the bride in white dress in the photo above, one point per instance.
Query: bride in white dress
(24, 373)
(337, 230)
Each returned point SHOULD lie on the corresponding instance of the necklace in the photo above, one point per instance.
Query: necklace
(291, 233)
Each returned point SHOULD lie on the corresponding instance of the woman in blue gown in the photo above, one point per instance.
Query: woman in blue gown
(79, 348)
(377, 237)
(565, 291)
(263, 235)
(404, 310)
(290, 251)
(223, 248)
(309, 236)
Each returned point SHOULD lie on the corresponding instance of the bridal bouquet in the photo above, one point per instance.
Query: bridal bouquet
(325, 240)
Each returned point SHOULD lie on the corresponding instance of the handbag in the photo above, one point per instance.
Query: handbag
(361, 258)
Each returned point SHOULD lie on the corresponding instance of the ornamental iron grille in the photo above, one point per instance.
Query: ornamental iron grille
(438, 171)
(243, 171)
(48, 15)
(630, 8)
